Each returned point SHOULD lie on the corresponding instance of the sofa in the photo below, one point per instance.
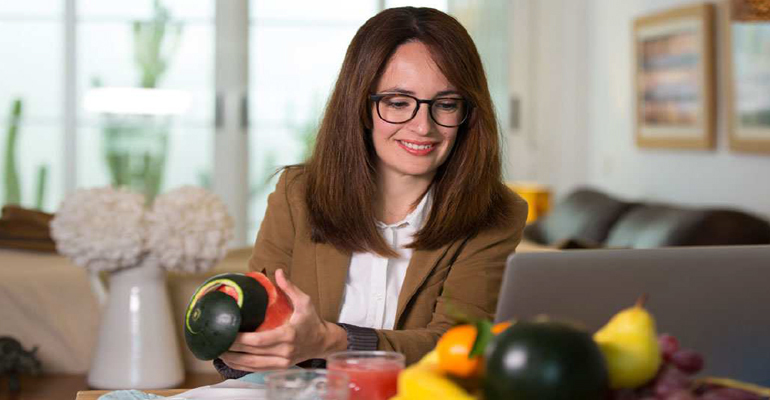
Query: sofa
(590, 218)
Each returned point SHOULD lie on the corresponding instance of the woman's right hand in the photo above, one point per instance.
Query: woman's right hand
(306, 335)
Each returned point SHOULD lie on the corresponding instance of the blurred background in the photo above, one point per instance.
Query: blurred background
(154, 94)
(227, 91)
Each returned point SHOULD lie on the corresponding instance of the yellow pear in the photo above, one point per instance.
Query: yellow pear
(629, 342)
(424, 380)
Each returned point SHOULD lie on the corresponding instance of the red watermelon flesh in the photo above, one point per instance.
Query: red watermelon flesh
(228, 291)
(279, 307)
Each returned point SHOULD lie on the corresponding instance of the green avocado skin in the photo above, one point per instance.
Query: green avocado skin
(544, 361)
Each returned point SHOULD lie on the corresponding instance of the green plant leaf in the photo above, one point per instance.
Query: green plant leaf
(483, 336)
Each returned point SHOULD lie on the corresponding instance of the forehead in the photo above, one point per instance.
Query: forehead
(412, 68)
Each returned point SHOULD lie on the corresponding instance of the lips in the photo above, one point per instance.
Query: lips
(417, 148)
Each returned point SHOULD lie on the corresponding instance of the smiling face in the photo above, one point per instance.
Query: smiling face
(417, 147)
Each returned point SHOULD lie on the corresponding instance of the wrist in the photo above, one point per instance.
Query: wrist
(336, 339)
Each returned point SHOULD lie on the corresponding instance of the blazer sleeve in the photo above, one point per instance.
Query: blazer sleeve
(472, 287)
(274, 246)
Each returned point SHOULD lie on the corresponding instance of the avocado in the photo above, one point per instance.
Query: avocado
(545, 361)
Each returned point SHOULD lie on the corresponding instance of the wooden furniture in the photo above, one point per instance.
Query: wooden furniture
(94, 394)
(69, 387)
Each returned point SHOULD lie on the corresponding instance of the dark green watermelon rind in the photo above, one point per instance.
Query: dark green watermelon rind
(214, 323)
(252, 298)
(580, 373)
(219, 280)
(254, 305)
(207, 341)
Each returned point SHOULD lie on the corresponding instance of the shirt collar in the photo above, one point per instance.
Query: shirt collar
(417, 217)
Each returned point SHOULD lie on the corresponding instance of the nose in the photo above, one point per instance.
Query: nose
(421, 123)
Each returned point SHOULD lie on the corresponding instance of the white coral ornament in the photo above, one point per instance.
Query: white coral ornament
(189, 229)
(101, 229)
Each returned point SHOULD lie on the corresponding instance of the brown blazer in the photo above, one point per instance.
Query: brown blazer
(463, 276)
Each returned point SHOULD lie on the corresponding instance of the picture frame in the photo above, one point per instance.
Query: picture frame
(747, 75)
(674, 78)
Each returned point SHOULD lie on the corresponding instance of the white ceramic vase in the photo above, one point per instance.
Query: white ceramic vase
(137, 345)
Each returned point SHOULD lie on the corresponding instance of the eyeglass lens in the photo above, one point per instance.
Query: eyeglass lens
(398, 109)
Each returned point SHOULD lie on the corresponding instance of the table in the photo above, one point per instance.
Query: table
(69, 387)
(191, 381)
(94, 394)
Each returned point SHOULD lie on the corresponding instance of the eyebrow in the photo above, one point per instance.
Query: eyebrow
(397, 89)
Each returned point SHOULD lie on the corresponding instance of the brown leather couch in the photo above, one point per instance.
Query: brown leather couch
(589, 218)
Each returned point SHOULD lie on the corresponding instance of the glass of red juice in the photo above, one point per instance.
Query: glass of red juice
(373, 375)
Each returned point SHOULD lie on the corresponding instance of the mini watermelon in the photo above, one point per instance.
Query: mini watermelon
(279, 308)
(230, 303)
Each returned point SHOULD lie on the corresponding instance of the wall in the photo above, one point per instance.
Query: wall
(602, 152)
(717, 177)
(547, 73)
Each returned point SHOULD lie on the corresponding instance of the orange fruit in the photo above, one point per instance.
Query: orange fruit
(500, 326)
(453, 349)
(455, 345)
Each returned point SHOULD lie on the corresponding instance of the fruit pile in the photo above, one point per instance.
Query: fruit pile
(675, 380)
(525, 360)
(625, 360)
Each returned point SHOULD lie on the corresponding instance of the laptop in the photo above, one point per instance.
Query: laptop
(715, 300)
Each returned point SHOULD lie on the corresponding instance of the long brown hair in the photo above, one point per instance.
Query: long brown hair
(468, 193)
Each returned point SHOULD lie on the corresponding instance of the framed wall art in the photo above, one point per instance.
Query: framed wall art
(674, 78)
(747, 74)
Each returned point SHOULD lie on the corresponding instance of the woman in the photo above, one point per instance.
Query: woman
(400, 218)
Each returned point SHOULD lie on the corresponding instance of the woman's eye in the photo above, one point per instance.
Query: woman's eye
(397, 104)
(447, 105)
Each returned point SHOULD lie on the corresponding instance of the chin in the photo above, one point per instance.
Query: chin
(419, 172)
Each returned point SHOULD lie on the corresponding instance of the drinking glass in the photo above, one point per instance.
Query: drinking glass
(373, 375)
(307, 384)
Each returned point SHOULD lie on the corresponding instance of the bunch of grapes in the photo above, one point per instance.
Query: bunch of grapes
(675, 379)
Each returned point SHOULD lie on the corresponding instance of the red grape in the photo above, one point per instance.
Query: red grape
(668, 345)
(687, 360)
(670, 380)
(683, 394)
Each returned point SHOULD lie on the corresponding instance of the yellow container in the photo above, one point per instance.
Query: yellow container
(536, 195)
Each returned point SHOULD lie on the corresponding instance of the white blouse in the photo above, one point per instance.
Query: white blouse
(374, 282)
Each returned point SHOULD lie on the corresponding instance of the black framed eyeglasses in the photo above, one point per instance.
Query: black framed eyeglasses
(397, 108)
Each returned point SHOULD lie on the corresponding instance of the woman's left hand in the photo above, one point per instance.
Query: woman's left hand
(303, 337)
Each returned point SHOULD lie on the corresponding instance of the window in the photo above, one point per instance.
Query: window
(31, 169)
(178, 146)
(295, 50)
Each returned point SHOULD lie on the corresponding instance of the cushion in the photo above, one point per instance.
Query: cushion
(659, 225)
(586, 216)
(654, 225)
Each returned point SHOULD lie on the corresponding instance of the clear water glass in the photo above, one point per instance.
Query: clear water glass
(307, 384)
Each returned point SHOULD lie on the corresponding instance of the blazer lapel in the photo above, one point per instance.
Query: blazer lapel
(420, 266)
(332, 271)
